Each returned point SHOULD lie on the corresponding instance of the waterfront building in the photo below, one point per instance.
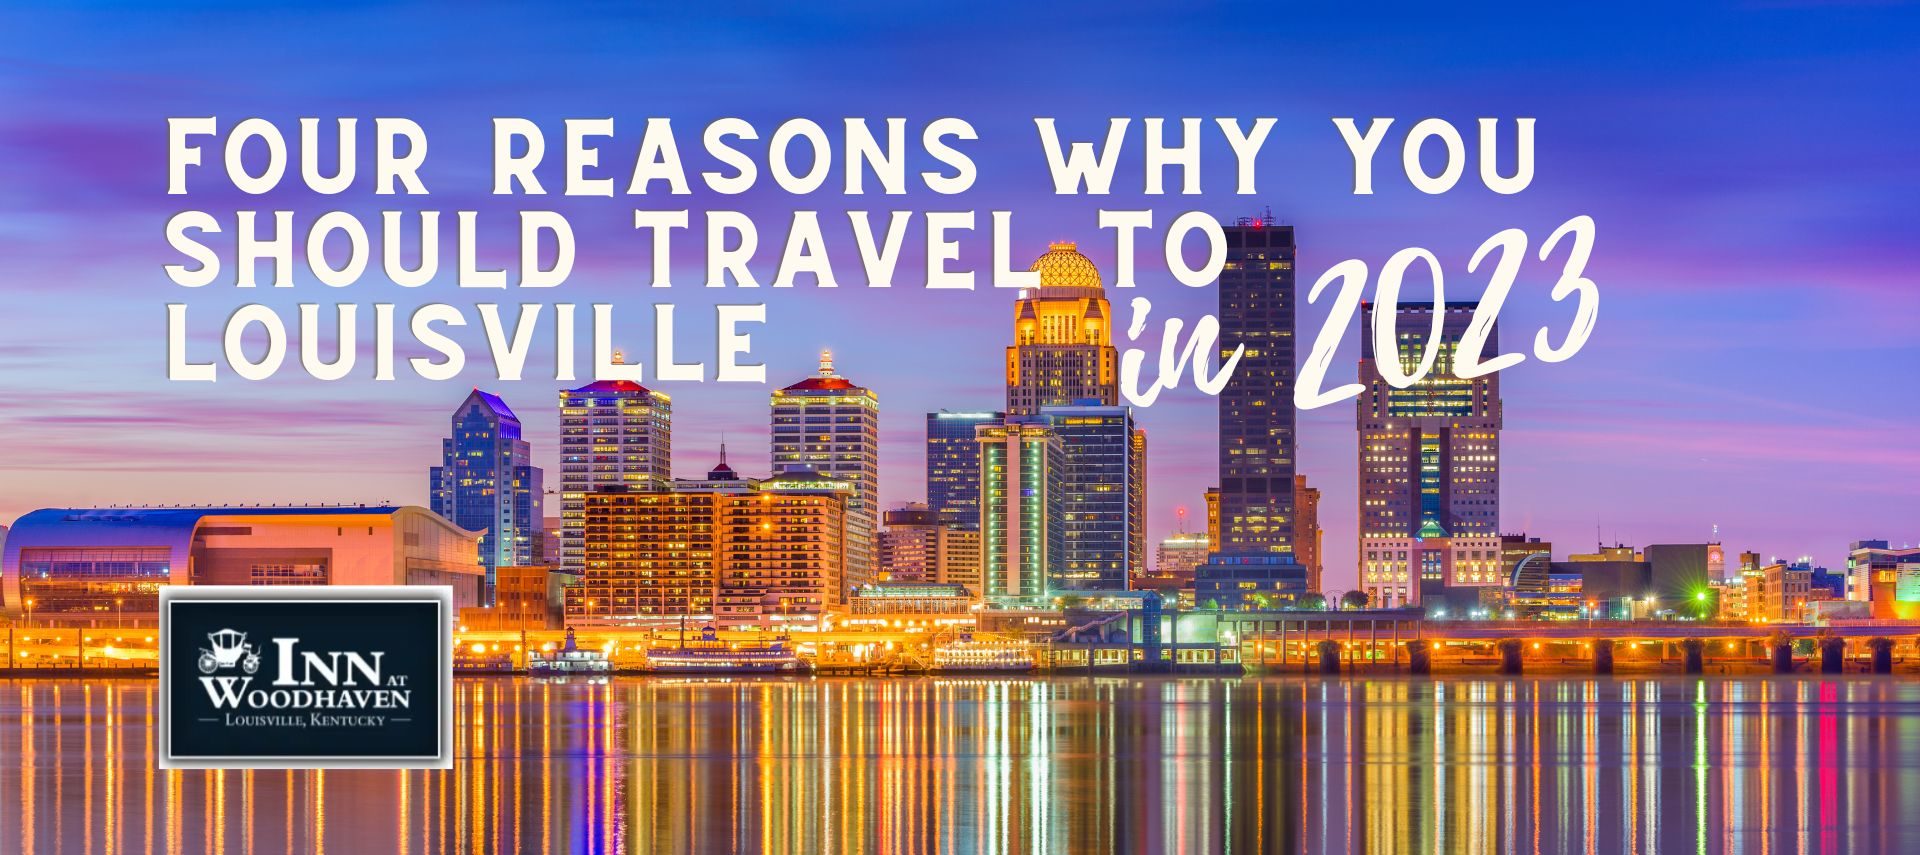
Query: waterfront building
(1886, 577)
(486, 482)
(1254, 549)
(891, 599)
(1429, 456)
(924, 546)
(826, 424)
(953, 464)
(1062, 349)
(1614, 584)
(613, 433)
(1786, 591)
(1022, 470)
(1104, 502)
(1536, 588)
(1408, 571)
(107, 563)
(1681, 575)
(725, 548)
(524, 598)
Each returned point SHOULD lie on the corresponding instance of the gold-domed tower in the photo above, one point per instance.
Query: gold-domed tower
(1062, 348)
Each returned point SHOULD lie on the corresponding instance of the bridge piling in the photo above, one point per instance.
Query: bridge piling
(1510, 655)
(1420, 656)
(1782, 648)
(1882, 648)
(1603, 656)
(1833, 655)
(1329, 656)
(1692, 655)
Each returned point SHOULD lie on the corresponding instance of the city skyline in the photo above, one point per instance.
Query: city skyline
(1742, 373)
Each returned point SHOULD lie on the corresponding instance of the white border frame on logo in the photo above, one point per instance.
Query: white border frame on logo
(440, 595)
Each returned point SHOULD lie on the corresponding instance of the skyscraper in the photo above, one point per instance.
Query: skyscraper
(953, 465)
(612, 433)
(485, 482)
(827, 425)
(1103, 502)
(1429, 461)
(1062, 349)
(1022, 472)
(1253, 556)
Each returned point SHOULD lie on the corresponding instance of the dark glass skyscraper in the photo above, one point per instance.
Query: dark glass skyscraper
(1253, 558)
(1103, 513)
(486, 482)
(953, 465)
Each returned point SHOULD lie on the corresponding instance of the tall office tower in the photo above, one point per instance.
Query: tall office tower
(1103, 512)
(1429, 453)
(612, 433)
(1022, 474)
(1062, 348)
(953, 465)
(827, 425)
(1254, 553)
(485, 482)
(1306, 530)
(920, 545)
(1429, 461)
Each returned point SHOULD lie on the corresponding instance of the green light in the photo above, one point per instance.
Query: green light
(1701, 596)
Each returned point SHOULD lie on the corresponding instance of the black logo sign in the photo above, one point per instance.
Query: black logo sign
(285, 677)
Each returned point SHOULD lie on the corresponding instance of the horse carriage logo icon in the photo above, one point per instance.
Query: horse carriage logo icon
(230, 647)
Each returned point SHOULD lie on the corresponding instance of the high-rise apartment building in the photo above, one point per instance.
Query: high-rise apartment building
(1062, 349)
(829, 426)
(1254, 553)
(612, 433)
(486, 482)
(953, 464)
(1103, 520)
(1022, 492)
(920, 545)
(732, 549)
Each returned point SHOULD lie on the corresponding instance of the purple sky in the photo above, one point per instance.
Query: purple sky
(1750, 170)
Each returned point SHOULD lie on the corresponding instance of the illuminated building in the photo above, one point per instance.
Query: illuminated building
(486, 482)
(1103, 525)
(1213, 514)
(1307, 533)
(1429, 453)
(1886, 577)
(1254, 561)
(920, 545)
(827, 425)
(911, 598)
(1062, 349)
(1022, 471)
(1681, 572)
(1787, 590)
(1178, 556)
(953, 464)
(524, 598)
(612, 433)
(105, 563)
(1394, 569)
(724, 547)
(1535, 589)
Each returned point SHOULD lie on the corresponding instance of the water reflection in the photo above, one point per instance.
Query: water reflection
(1027, 765)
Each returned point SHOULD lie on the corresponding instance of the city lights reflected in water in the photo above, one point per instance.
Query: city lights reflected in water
(1021, 765)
